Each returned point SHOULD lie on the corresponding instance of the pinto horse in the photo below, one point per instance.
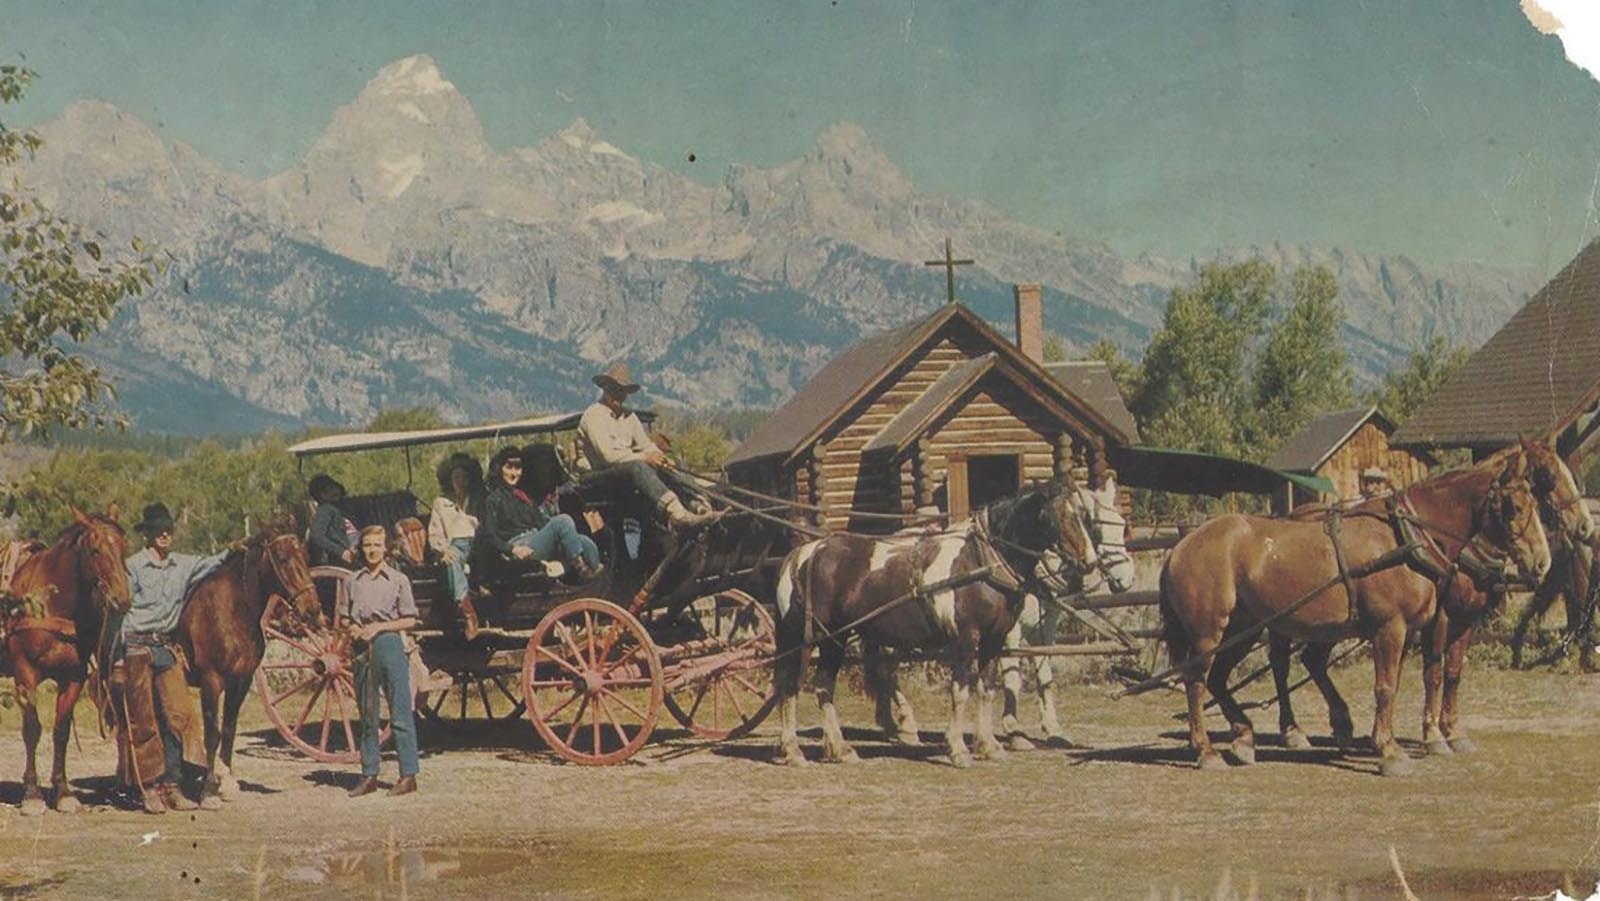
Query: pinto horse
(1226, 580)
(220, 631)
(60, 599)
(1464, 603)
(957, 591)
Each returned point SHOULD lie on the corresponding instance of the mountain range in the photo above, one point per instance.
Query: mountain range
(405, 262)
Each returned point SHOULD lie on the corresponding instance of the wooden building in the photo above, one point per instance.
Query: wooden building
(1338, 446)
(1539, 376)
(942, 412)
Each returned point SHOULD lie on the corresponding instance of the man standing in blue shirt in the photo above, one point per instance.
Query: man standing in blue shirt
(379, 607)
(162, 727)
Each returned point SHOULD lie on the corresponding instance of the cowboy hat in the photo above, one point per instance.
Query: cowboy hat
(461, 461)
(157, 519)
(324, 487)
(617, 379)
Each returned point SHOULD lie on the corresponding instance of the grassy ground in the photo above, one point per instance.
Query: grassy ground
(1123, 815)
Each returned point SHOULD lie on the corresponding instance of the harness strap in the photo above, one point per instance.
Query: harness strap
(59, 625)
(1332, 525)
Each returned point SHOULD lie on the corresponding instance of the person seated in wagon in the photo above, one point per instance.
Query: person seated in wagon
(621, 455)
(453, 525)
(332, 539)
(516, 526)
(1375, 483)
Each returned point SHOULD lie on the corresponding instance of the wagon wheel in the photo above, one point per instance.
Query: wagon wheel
(592, 682)
(727, 692)
(490, 695)
(307, 679)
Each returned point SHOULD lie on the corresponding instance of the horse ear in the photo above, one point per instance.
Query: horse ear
(112, 511)
(77, 515)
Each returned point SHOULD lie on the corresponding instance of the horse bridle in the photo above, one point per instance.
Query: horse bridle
(267, 551)
(1477, 556)
(99, 582)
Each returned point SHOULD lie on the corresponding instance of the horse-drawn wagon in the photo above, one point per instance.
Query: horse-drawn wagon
(672, 622)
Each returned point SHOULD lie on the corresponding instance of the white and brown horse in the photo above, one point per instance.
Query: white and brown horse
(1236, 573)
(957, 593)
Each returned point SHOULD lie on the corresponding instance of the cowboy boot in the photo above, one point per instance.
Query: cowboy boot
(173, 797)
(366, 786)
(682, 519)
(405, 786)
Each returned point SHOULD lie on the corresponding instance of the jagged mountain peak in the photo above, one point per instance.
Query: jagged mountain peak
(414, 76)
(845, 138)
(580, 135)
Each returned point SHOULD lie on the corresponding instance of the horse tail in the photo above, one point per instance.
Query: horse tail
(1173, 633)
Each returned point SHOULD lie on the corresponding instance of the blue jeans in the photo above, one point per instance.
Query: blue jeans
(384, 664)
(455, 572)
(559, 533)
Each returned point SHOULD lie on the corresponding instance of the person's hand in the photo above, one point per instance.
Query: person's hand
(521, 552)
(348, 556)
(655, 458)
(450, 555)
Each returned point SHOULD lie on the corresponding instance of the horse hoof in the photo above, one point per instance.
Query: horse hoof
(68, 804)
(1296, 740)
(989, 751)
(1400, 765)
(1463, 745)
(1211, 760)
(1438, 747)
(1245, 754)
(1345, 743)
(211, 802)
(961, 761)
(228, 789)
(846, 754)
(790, 755)
(909, 739)
(1020, 742)
(1009, 725)
(33, 807)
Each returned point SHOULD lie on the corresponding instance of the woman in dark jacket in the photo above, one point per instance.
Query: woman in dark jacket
(329, 542)
(515, 524)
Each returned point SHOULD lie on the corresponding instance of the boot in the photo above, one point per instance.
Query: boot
(682, 520)
(405, 786)
(173, 798)
(366, 786)
(586, 573)
(469, 613)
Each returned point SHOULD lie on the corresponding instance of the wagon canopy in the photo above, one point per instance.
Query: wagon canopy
(1192, 472)
(358, 441)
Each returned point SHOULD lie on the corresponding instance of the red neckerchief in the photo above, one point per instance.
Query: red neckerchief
(521, 495)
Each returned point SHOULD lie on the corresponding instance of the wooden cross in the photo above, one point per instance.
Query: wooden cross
(949, 263)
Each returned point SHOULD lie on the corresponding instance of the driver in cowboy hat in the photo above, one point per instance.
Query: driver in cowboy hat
(163, 729)
(1375, 483)
(621, 453)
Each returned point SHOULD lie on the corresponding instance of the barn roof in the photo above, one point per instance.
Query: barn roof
(1322, 437)
(1531, 378)
(1092, 381)
(860, 368)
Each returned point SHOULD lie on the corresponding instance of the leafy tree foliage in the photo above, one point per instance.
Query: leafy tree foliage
(57, 288)
(1302, 369)
(1405, 389)
(1055, 348)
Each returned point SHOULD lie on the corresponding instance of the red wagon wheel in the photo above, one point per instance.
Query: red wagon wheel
(592, 682)
(728, 691)
(489, 695)
(307, 679)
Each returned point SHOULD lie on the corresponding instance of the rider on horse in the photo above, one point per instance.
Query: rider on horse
(162, 728)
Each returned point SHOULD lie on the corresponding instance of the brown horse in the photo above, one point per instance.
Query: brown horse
(1236, 574)
(1575, 579)
(220, 632)
(62, 596)
(957, 591)
(1464, 605)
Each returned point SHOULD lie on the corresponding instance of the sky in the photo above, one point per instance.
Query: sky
(1447, 130)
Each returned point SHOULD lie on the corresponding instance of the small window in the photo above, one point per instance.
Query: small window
(991, 477)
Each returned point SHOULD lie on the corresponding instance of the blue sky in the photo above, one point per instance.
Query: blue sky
(1447, 129)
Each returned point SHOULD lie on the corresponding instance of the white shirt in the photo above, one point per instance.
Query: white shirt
(448, 523)
(609, 438)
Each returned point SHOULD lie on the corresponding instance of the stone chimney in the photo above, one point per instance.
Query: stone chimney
(1030, 320)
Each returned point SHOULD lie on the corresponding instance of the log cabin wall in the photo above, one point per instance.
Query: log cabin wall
(995, 419)
(1369, 446)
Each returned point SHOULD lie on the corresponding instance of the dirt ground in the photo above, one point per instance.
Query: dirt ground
(1124, 815)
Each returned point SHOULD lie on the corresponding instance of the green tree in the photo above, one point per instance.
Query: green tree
(1405, 389)
(1055, 348)
(1192, 388)
(1302, 369)
(1124, 371)
(58, 287)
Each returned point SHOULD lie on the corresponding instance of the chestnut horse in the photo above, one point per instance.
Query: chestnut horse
(61, 597)
(220, 631)
(1226, 580)
(1464, 603)
(958, 591)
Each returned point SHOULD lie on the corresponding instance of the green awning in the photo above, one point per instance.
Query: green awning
(1192, 472)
